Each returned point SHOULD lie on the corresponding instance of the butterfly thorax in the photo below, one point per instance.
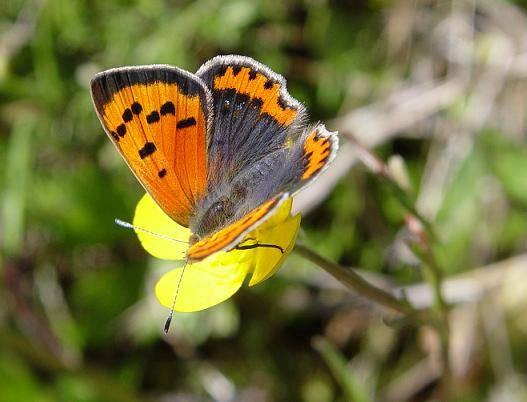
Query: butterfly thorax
(215, 217)
(216, 211)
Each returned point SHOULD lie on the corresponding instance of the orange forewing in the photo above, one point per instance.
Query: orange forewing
(230, 236)
(319, 147)
(256, 85)
(160, 128)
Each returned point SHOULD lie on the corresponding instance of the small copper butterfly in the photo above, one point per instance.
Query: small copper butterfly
(219, 150)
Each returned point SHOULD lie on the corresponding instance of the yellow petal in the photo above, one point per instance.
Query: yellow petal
(281, 230)
(148, 215)
(279, 216)
(205, 283)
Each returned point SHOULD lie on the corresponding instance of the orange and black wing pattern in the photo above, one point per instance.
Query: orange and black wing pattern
(314, 152)
(254, 113)
(158, 118)
(320, 147)
(229, 237)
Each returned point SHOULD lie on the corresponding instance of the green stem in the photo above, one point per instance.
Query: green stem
(378, 167)
(431, 272)
(354, 389)
(15, 185)
(435, 279)
(433, 275)
(407, 203)
(354, 281)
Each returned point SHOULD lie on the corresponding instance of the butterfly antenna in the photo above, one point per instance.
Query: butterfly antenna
(169, 319)
(137, 228)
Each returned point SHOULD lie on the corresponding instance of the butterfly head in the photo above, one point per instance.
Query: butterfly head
(193, 239)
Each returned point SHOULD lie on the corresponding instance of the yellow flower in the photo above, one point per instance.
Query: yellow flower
(217, 277)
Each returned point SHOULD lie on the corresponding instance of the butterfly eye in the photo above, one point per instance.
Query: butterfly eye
(219, 207)
(194, 238)
(216, 207)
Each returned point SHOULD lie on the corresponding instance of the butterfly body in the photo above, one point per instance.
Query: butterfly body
(233, 197)
(218, 150)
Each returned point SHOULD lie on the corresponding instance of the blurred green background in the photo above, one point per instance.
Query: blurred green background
(437, 88)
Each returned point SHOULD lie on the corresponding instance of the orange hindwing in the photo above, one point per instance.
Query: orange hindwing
(320, 147)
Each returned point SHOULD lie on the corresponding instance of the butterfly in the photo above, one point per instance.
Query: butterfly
(219, 150)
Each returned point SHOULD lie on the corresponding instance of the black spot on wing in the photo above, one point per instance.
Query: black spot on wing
(152, 117)
(168, 108)
(282, 103)
(114, 135)
(191, 121)
(252, 75)
(127, 116)
(148, 149)
(236, 70)
(268, 84)
(136, 108)
(324, 160)
(220, 72)
(162, 173)
(121, 130)
(256, 103)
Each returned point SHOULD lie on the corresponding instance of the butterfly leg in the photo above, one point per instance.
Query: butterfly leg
(255, 245)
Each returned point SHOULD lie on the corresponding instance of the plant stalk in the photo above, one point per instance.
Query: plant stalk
(354, 281)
